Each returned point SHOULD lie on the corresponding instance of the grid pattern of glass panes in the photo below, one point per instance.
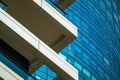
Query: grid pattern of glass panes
(96, 51)
(44, 73)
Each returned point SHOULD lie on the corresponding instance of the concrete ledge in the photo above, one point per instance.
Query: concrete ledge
(65, 70)
(41, 19)
(45, 53)
(8, 74)
(57, 16)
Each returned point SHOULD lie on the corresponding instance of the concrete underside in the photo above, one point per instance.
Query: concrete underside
(45, 28)
(40, 23)
(36, 57)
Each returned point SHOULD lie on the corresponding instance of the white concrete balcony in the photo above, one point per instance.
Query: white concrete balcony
(33, 48)
(38, 31)
(44, 21)
(7, 74)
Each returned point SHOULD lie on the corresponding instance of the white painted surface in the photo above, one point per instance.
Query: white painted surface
(57, 16)
(7, 74)
(58, 60)
(38, 44)
(18, 28)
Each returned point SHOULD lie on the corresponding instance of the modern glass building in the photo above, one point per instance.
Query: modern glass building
(95, 53)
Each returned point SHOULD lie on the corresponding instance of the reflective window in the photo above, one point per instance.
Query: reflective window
(106, 61)
(71, 53)
(78, 66)
(3, 6)
(100, 71)
(109, 16)
(86, 55)
(86, 60)
(107, 77)
(44, 73)
(116, 18)
(114, 5)
(102, 5)
(70, 60)
(93, 78)
(65, 52)
(76, 20)
(109, 5)
(76, 49)
(99, 54)
(64, 57)
(85, 39)
(91, 6)
(93, 63)
(92, 49)
(86, 72)
(84, 25)
(92, 46)
(51, 73)
(83, 10)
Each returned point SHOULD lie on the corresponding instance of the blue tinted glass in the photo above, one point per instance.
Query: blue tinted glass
(106, 61)
(107, 77)
(41, 74)
(44, 73)
(78, 66)
(15, 67)
(93, 78)
(50, 72)
(85, 39)
(86, 72)
(43, 68)
(95, 48)
(3, 6)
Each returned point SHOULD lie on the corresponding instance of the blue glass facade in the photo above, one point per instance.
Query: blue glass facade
(96, 51)
(44, 73)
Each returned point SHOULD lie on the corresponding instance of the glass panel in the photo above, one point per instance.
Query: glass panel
(86, 72)
(93, 78)
(51, 73)
(70, 60)
(86, 55)
(102, 5)
(43, 68)
(41, 74)
(106, 60)
(64, 57)
(85, 39)
(78, 66)
(107, 77)
(44, 73)
(92, 46)
(3, 6)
